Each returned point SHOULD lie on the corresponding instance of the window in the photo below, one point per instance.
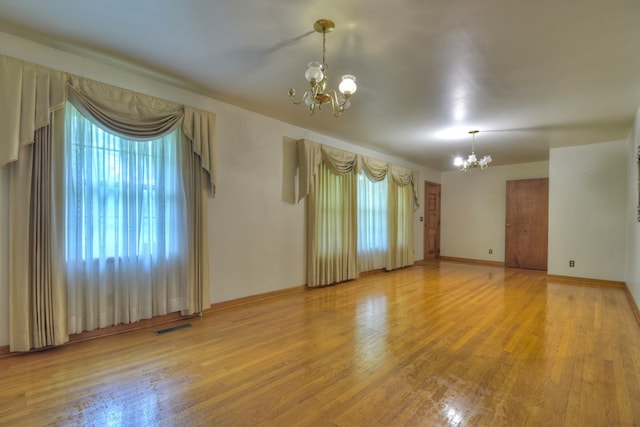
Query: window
(123, 196)
(125, 226)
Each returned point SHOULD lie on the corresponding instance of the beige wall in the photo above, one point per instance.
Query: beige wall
(587, 211)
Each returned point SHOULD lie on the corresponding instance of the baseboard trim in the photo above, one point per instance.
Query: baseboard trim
(601, 283)
(128, 327)
(472, 261)
(586, 281)
(223, 305)
(110, 330)
(632, 303)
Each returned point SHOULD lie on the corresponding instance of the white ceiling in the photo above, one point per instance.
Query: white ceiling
(530, 75)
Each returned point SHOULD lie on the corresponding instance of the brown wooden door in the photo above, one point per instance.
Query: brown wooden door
(527, 214)
(432, 220)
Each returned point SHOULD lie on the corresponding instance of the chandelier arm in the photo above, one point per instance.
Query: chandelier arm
(336, 107)
(292, 96)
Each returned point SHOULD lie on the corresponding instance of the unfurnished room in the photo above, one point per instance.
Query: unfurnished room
(320, 213)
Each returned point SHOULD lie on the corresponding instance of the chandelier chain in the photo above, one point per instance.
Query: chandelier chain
(324, 50)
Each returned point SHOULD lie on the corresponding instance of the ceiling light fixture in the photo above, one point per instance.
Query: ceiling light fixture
(318, 95)
(472, 161)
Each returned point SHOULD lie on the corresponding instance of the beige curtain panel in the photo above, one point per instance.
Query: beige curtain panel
(329, 177)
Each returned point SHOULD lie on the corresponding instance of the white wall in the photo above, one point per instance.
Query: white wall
(632, 270)
(473, 209)
(256, 233)
(588, 210)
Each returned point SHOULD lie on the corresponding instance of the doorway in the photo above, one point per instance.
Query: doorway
(432, 221)
(527, 223)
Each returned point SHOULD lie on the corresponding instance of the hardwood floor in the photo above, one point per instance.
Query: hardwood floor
(436, 345)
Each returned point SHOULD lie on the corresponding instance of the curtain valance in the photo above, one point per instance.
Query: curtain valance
(29, 93)
(310, 154)
(125, 113)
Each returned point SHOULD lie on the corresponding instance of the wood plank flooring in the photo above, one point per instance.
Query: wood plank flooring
(446, 344)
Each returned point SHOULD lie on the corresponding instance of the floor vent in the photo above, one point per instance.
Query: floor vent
(173, 328)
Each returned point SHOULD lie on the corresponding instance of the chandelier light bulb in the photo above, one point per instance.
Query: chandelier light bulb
(458, 161)
(348, 85)
(314, 72)
(308, 100)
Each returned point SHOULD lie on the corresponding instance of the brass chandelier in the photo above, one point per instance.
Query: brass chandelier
(317, 95)
(472, 161)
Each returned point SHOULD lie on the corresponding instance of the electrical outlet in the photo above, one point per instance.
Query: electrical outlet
(572, 263)
(490, 251)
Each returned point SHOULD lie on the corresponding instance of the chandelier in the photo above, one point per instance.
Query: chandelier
(472, 161)
(317, 94)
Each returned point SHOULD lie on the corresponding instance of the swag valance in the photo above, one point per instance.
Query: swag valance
(30, 93)
(341, 162)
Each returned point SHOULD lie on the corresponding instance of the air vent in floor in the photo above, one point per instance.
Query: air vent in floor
(172, 329)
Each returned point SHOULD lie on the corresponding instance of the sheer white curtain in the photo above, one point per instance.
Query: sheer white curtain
(372, 223)
(126, 226)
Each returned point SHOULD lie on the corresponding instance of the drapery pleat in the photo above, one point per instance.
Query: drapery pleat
(29, 93)
(404, 176)
(48, 284)
(19, 265)
(399, 225)
(200, 128)
(37, 291)
(375, 169)
(196, 195)
(331, 238)
(309, 157)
